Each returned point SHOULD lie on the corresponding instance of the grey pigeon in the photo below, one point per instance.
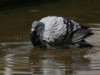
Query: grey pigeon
(58, 32)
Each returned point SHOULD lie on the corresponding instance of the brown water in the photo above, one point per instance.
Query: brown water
(20, 58)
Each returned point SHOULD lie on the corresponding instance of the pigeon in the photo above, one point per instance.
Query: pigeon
(58, 32)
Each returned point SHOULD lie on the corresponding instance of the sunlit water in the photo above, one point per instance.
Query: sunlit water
(20, 58)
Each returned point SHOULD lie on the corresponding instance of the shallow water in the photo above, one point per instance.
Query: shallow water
(20, 58)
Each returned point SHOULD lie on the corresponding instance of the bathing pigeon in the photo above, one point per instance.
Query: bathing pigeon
(58, 32)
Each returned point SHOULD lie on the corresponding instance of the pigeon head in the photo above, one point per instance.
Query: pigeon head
(37, 27)
(36, 34)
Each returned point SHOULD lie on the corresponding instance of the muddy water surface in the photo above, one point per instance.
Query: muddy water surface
(20, 58)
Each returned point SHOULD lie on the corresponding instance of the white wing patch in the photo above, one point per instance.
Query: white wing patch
(54, 28)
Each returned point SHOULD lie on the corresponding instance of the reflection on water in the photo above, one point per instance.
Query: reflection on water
(57, 62)
(14, 59)
(20, 58)
(8, 63)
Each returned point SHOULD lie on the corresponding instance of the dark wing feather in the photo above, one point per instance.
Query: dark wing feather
(81, 34)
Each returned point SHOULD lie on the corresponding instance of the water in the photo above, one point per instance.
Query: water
(20, 58)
